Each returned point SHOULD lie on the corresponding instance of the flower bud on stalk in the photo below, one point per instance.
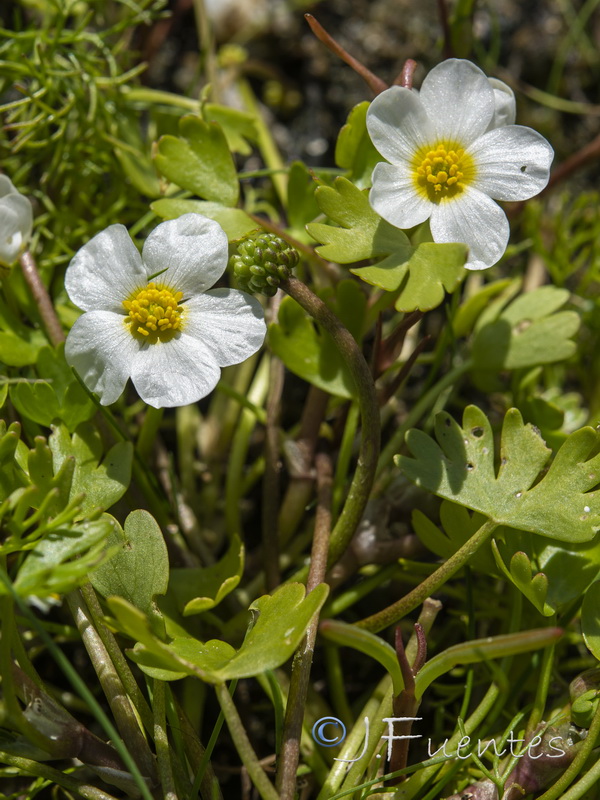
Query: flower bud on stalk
(262, 262)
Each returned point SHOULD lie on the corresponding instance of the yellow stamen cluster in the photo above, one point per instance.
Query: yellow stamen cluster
(440, 171)
(153, 313)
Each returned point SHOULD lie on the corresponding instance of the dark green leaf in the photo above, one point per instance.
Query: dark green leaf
(559, 504)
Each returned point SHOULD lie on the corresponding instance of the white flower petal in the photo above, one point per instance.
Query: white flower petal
(459, 101)
(477, 221)
(229, 322)
(193, 249)
(398, 124)
(395, 197)
(16, 220)
(105, 271)
(102, 350)
(174, 373)
(512, 163)
(6, 186)
(505, 106)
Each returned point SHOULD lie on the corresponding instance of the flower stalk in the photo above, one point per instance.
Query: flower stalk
(398, 610)
(364, 475)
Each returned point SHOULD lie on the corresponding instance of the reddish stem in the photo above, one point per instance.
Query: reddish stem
(373, 82)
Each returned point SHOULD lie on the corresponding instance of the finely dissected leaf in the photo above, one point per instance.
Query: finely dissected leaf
(234, 221)
(460, 467)
(102, 483)
(354, 150)
(308, 351)
(48, 568)
(590, 618)
(529, 331)
(281, 624)
(420, 273)
(550, 576)
(199, 160)
(140, 568)
(200, 588)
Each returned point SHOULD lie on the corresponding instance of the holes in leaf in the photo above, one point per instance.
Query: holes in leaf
(470, 466)
(477, 432)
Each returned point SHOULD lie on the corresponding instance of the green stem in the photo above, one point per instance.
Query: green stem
(118, 659)
(242, 744)
(148, 432)
(112, 687)
(266, 143)
(558, 790)
(239, 450)
(544, 679)
(364, 475)
(81, 688)
(28, 767)
(420, 593)
(161, 741)
(582, 787)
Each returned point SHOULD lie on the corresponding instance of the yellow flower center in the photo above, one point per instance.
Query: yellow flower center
(442, 171)
(154, 313)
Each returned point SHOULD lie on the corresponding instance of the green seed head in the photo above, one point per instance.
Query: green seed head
(262, 261)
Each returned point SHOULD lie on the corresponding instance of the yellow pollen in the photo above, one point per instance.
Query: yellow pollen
(442, 171)
(154, 313)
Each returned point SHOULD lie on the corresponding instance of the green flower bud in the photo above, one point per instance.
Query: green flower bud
(262, 261)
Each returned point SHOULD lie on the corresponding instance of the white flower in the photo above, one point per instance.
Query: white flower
(152, 319)
(16, 220)
(453, 150)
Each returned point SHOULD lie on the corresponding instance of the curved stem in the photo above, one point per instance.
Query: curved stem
(364, 476)
(420, 593)
(42, 299)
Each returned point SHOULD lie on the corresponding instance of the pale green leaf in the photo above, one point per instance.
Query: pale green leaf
(197, 589)
(234, 221)
(103, 482)
(199, 160)
(140, 569)
(529, 331)
(420, 274)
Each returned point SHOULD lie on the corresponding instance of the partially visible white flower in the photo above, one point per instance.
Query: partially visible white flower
(453, 149)
(16, 221)
(154, 318)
